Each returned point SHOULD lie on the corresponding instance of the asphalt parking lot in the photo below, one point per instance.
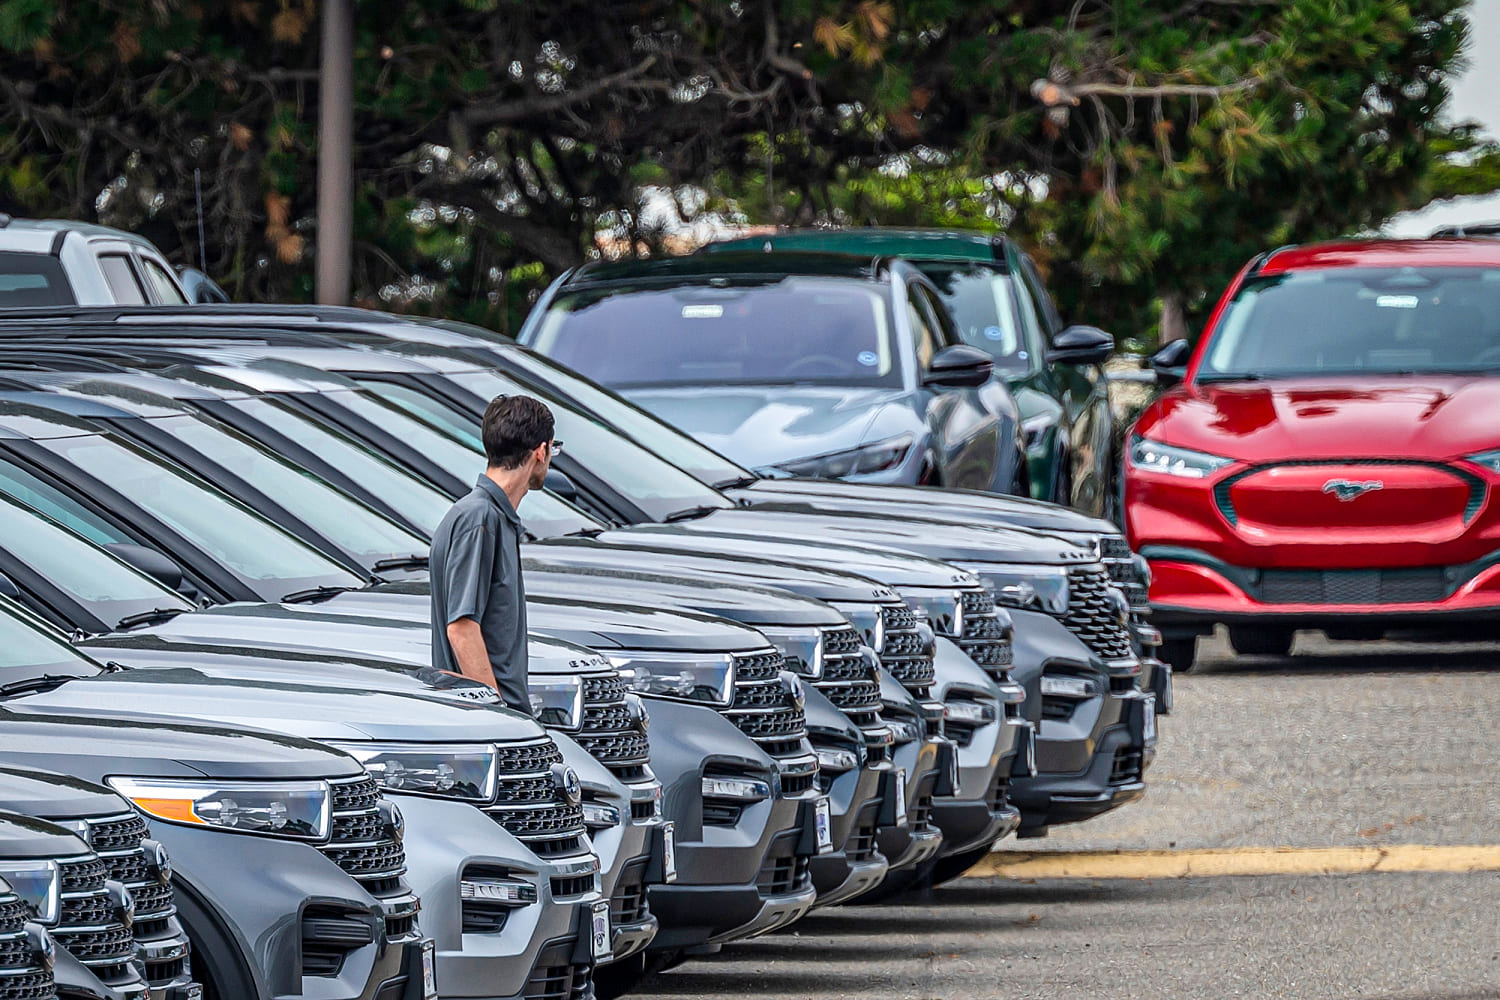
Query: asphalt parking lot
(1350, 755)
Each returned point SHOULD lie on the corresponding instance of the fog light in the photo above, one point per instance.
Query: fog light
(507, 893)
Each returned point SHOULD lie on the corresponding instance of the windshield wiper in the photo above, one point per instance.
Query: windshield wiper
(153, 617)
(585, 533)
(401, 562)
(320, 593)
(744, 482)
(1225, 377)
(690, 513)
(35, 685)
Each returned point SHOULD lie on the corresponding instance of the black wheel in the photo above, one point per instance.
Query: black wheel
(950, 868)
(1178, 652)
(1249, 641)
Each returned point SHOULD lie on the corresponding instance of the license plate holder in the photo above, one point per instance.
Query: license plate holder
(429, 970)
(823, 825)
(600, 945)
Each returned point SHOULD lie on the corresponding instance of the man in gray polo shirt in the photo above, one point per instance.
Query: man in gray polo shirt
(478, 598)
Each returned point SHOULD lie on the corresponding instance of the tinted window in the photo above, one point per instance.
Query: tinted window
(162, 284)
(1360, 320)
(35, 493)
(120, 277)
(249, 546)
(640, 425)
(413, 499)
(982, 304)
(336, 516)
(26, 651)
(1051, 321)
(33, 279)
(818, 330)
(108, 588)
(922, 333)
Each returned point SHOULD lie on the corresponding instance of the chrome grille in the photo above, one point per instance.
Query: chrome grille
(986, 639)
(904, 652)
(848, 680)
(1093, 615)
(609, 734)
(116, 833)
(1115, 553)
(530, 805)
(763, 708)
(360, 843)
(15, 951)
(89, 926)
(34, 984)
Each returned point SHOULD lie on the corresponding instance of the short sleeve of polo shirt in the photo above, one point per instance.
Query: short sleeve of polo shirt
(467, 575)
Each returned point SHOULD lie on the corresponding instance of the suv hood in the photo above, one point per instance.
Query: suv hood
(706, 594)
(309, 711)
(1431, 417)
(28, 837)
(930, 503)
(800, 578)
(60, 796)
(94, 747)
(769, 424)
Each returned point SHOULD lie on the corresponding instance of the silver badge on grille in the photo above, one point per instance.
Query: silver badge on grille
(565, 780)
(1348, 489)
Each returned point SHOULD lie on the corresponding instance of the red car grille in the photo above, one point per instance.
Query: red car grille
(1433, 500)
(1353, 586)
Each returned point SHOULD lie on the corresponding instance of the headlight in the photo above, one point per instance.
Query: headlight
(748, 789)
(1152, 456)
(294, 809)
(867, 621)
(866, 458)
(802, 647)
(836, 760)
(1489, 459)
(1036, 588)
(943, 609)
(451, 770)
(700, 677)
(557, 701)
(38, 884)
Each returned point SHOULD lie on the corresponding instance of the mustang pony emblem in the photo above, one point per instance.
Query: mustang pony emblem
(1346, 489)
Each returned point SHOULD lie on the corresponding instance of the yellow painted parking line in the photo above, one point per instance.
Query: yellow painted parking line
(1233, 861)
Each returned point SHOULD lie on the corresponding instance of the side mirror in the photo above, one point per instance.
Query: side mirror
(559, 483)
(8, 588)
(200, 288)
(1170, 362)
(1081, 345)
(959, 367)
(148, 561)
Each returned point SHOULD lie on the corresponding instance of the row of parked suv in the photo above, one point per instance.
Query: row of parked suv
(229, 769)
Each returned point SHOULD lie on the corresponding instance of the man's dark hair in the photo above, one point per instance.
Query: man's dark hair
(513, 427)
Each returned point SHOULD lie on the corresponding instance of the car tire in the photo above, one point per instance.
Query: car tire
(1261, 641)
(1178, 652)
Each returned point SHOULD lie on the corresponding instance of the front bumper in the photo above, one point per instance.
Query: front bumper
(928, 764)
(1109, 777)
(448, 842)
(1192, 591)
(855, 865)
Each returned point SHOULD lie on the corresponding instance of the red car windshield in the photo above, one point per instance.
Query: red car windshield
(1358, 321)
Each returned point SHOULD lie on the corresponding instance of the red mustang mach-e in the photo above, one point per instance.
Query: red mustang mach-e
(1326, 456)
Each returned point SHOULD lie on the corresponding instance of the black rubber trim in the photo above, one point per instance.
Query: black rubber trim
(57, 243)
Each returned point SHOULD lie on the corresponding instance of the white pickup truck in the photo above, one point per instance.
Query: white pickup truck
(56, 262)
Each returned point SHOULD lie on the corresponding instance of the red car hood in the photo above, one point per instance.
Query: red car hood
(1432, 417)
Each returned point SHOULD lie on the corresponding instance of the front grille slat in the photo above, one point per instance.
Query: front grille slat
(763, 708)
(530, 806)
(89, 926)
(360, 843)
(904, 652)
(1419, 585)
(986, 639)
(1094, 615)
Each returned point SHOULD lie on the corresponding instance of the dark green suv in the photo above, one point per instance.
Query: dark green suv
(1000, 305)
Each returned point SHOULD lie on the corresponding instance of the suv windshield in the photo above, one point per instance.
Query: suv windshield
(253, 549)
(413, 499)
(640, 425)
(103, 585)
(26, 651)
(982, 302)
(346, 522)
(647, 481)
(823, 330)
(1359, 321)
